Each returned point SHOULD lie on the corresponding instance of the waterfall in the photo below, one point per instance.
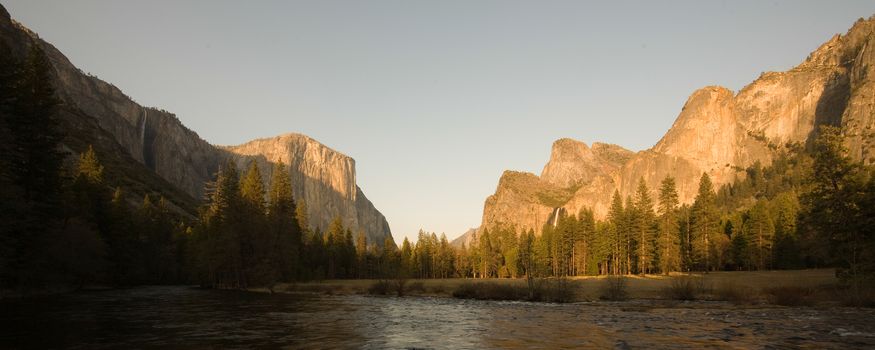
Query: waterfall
(556, 216)
(143, 129)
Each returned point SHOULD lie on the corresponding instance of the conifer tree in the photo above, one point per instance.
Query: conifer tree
(31, 171)
(786, 247)
(669, 235)
(703, 219)
(832, 206)
(644, 228)
(759, 229)
(406, 263)
(284, 241)
(586, 246)
(616, 218)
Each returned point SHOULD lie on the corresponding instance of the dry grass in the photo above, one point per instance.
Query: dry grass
(614, 289)
(490, 291)
(553, 290)
(683, 288)
(741, 287)
(790, 295)
(735, 294)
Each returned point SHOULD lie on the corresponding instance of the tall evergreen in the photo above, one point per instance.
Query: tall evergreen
(703, 219)
(759, 230)
(835, 190)
(284, 234)
(645, 225)
(786, 247)
(219, 260)
(616, 218)
(31, 174)
(669, 254)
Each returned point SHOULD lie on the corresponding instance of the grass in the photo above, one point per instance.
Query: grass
(682, 288)
(790, 295)
(553, 290)
(735, 294)
(736, 287)
(615, 289)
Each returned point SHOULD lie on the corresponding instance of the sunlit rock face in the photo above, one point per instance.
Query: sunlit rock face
(717, 132)
(325, 179)
(322, 177)
(573, 163)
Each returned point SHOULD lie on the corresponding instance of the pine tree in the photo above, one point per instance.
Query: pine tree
(406, 263)
(219, 259)
(37, 135)
(252, 240)
(630, 216)
(334, 239)
(124, 248)
(759, 230)
(285, 239)
(832, 209)
(644, 227)
(685, 230)
(669, 235)
(704, 223)
(786, 247)
(586, 246)
(616, 218)
(303, 216)
(526, 254)
(361, 246)
(488, 261)
(31, 172)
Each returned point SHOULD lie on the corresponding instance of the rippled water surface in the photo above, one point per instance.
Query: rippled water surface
(180, 317)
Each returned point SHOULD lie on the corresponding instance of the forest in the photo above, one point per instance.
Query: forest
(66, 224)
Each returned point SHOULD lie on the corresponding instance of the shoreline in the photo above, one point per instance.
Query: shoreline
(775, 288)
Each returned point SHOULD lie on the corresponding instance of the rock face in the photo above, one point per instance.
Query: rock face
(156, 139)
(572, 163)
(717, 132)
(324, 178)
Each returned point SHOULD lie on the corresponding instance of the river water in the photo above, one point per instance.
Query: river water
(182, 317)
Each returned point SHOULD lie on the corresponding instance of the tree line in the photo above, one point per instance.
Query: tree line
(65, 224)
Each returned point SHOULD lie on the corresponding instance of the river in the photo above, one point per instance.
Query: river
(182, 317)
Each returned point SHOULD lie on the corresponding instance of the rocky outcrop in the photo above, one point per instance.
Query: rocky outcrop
(160, 143)
(717, 132)
(572, 163)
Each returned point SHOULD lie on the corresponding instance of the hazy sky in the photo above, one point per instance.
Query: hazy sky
(432, 99)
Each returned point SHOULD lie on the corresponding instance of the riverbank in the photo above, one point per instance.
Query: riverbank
(814, 287)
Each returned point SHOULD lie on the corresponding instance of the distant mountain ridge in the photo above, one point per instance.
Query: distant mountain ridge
(717, 132)
(466, 239)
(152, 142)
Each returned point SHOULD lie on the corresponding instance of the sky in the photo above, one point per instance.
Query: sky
(433, 99)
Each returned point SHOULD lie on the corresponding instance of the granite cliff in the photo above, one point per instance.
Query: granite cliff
(157, 153)
(717, 132)
(322, 176)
